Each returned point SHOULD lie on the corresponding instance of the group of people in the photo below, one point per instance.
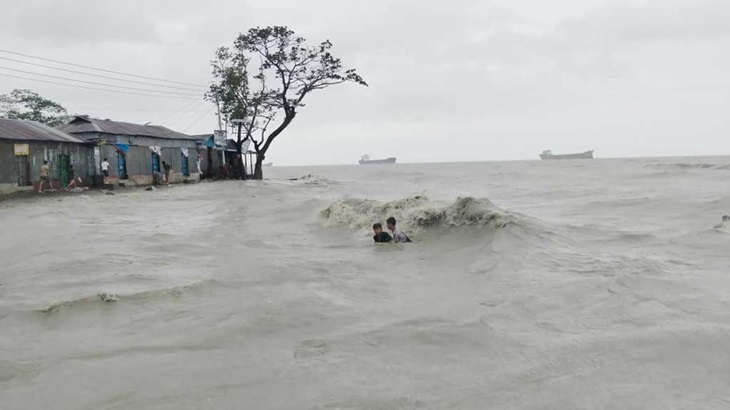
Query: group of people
(75, 180)
(45, 170)
(395, 235)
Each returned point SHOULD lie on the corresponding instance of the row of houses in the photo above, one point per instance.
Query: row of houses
(135, 152)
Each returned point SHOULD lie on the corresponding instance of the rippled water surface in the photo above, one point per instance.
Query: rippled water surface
(598, 284)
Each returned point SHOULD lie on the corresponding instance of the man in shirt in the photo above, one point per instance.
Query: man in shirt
(105, 170)
(398, 236)
(45, 171)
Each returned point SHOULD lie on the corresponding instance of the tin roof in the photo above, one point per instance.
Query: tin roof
(202, 137)
(81, 125)
(22, 130)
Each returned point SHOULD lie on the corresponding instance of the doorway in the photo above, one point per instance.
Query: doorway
(63, 163)
(121, 166)
(155, 163)
(185, 168)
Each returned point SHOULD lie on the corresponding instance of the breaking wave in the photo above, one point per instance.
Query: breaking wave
(101, 298)
(418, 213)
(723, 226)
(619, 202)
(311, 179)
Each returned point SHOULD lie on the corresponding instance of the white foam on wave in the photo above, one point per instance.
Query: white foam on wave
(311, 179)
(417, 213)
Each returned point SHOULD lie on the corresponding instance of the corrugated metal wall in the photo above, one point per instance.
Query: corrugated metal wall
(7, 163)
(81, 156)
(109, 153)
(139, 156)
(139, 159)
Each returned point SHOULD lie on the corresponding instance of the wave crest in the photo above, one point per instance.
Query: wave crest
(417, 213)
(311, 179)
(686, 166)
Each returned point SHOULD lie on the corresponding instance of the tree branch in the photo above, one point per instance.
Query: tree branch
(300, 70)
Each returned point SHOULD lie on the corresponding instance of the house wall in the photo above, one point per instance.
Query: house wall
(139, 157)
(214, 166)
(81, 156)
(206, 168)
(210, 157)
(8, 175)
(7, 163)
(139, 161)
(109, 153)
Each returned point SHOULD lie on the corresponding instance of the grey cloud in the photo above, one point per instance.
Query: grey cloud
(79, 23)
(484, 61)
(511, 68)
(653, 21)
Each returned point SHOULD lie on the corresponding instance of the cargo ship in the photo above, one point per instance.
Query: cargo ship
(365, 160)
(547, 154)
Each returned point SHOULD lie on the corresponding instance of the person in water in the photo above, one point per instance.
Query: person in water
(380, 236)
(398, 235)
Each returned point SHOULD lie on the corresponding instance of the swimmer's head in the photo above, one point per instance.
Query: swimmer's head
(377, 228)
(391, 223)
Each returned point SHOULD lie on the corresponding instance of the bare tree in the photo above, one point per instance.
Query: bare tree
(288, 71)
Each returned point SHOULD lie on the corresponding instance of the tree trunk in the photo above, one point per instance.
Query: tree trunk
(258, 173)
(239, 142)
(240, 173)
(209, 168)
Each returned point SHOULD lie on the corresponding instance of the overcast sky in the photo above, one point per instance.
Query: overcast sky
(463, 80)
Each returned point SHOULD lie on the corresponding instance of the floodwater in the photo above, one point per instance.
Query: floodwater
(532, 285)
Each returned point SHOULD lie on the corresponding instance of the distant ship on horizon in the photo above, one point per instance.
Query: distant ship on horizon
(547, 154)
(365, 160)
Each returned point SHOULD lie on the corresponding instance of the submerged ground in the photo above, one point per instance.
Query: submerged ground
(533, 285)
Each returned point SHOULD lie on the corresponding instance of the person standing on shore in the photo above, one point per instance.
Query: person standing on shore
(73, 179)
(105, 170)
(44, 171)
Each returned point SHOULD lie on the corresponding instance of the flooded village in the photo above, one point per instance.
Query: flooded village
(133, 155)
(150, 259)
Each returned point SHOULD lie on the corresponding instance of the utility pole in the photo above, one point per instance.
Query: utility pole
(240, 157)
(220, 130)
